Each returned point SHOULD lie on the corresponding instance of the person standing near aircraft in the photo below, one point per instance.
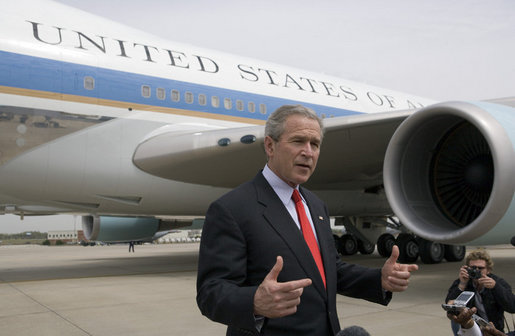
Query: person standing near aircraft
(493, 294)
(267, 261)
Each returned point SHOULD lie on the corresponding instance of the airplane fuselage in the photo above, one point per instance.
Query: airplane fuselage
(78, 95)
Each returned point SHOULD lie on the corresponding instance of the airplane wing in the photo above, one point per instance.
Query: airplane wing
(352, 153)
(447, 169)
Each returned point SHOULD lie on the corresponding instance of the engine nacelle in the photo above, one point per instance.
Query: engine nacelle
(111, 229)
(449, 173)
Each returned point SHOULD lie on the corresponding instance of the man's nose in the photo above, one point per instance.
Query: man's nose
(307, 149)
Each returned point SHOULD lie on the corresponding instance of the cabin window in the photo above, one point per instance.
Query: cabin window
(262, 108)
(188, 97)
(239, 105)
(145, 91)
(202, 100)
(227, 103)
(215, 101)
(89, 83)
(160, 93)
(176, 96)
(252, 107)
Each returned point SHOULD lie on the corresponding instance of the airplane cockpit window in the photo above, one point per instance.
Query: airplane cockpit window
(145, 91)
(176, 96)
(227, 103)
(160, 93)
(89, 83)
(188, 97)
(215, 101)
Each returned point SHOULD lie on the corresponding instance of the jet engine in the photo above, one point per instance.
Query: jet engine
(112, 229)
(449, 173)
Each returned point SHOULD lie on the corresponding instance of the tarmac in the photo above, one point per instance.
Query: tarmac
(105, 290)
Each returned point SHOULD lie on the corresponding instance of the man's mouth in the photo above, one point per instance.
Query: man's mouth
(303, 165)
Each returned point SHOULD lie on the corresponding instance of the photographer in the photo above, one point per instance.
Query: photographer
(493, 295)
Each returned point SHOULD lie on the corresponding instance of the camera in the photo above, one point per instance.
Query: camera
(474, 273)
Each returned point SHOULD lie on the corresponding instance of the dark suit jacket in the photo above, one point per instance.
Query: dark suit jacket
(244, 231)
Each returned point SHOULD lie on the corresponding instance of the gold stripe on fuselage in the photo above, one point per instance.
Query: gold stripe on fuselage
(125, 105)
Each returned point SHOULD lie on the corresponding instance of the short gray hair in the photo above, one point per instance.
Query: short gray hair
(274, 127)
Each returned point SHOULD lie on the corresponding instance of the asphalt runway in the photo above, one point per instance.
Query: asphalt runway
(105, 290)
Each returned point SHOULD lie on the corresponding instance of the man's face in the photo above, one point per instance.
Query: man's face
(294, 156)
(481, 265)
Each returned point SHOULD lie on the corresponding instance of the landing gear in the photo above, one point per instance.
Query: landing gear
(347, 245)
(454, 252)
(365, 248)
(430, 252)
(408, 248)
(362, 232)
(350, 245)
(385, 244)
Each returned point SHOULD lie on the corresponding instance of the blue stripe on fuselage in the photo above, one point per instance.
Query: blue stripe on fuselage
(41, 74)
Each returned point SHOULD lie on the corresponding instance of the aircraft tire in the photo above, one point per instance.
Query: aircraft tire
(430, 251)
(408, 248)
(365, 248)
(385, 243)
(348, 245)
(455, 252)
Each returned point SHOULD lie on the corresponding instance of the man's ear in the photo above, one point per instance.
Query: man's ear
(269, 146)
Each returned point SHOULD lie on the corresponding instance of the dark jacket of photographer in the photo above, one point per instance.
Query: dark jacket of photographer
(496, 300)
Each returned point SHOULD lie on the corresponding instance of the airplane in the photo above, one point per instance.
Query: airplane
(136, 133)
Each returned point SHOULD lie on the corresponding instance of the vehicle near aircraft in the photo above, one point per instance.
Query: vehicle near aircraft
(130, 130)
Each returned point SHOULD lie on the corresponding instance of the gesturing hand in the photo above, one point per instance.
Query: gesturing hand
(395, 276)
(277, 299)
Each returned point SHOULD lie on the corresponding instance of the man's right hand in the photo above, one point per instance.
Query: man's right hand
(464, 277)
(277, 299)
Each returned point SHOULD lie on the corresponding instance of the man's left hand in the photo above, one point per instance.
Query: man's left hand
(395, 276)
(486, 282)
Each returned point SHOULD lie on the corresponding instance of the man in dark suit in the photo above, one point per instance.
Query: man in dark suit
(258, 273)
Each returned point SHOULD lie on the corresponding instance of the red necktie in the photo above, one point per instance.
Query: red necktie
(308, 233)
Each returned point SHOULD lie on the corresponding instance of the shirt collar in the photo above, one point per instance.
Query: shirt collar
(281, 188)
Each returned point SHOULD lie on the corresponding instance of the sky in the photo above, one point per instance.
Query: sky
(439, 49)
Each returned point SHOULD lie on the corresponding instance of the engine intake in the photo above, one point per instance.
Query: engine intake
(449, 172)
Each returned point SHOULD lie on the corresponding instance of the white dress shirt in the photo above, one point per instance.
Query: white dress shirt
(284, 191)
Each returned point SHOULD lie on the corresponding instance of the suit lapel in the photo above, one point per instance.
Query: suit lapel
(279, 218)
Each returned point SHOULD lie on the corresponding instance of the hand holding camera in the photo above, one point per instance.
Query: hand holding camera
(475, 273)
(486, 282)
